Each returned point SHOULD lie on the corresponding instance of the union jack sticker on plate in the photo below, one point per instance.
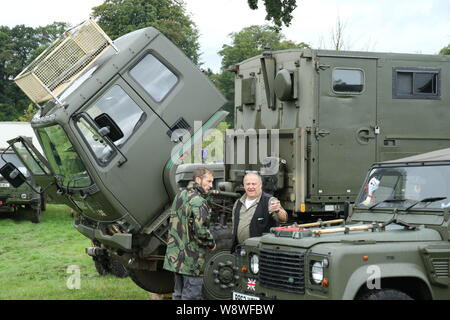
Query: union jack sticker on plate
(251, 284)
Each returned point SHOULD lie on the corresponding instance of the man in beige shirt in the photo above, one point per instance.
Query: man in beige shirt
(255, 212)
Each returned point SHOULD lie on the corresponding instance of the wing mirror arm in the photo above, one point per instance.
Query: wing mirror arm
(104, 133)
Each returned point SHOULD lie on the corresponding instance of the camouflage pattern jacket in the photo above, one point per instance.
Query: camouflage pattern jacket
(189, 235)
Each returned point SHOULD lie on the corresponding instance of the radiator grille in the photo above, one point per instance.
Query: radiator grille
(282, 270)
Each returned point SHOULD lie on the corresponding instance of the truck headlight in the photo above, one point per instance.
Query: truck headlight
(317, 272)
(254, 263)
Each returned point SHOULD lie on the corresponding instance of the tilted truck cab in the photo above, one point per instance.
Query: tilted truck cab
(109, 136)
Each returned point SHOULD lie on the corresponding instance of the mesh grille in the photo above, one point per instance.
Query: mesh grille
(282, 271)
(59, 65)
(441, 267)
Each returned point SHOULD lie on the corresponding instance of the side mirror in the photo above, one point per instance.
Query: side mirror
(108, 127)
(10, 172)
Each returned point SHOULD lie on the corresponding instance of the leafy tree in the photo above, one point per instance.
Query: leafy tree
(278, 11)
(247, 43)
(118, 17)
(445, 50)
(18, 47)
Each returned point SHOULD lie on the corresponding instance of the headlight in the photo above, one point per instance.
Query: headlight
(254, 263)
(317, 272)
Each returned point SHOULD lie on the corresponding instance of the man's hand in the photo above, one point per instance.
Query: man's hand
(275, 206)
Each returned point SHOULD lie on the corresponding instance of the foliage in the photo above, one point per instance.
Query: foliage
(445, 50)
(279, 11)
(18, 47)
(247, 43)
(118, 17)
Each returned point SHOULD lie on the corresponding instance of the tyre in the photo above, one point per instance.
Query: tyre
(36, 213)
(117, 269)
(220, 267)
(101, 267)
(385, 294)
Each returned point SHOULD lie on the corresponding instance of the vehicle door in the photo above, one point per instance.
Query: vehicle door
(39, 169)
(347, 129)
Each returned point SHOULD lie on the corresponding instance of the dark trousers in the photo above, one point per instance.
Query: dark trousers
(187, 287)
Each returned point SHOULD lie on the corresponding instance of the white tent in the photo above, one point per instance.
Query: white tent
(11, 130)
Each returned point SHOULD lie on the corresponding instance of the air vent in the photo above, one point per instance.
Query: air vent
(441, 267)
(181, 125)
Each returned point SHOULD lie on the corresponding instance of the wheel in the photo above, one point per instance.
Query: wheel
(385, 294)
(101, 267)
(36, 213)
(43, 203)
(117, 269)
(220, 274)
(153, 281)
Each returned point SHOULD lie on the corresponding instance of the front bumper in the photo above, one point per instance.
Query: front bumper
(118, 240)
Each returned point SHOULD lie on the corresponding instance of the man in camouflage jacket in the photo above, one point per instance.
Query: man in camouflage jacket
(189, 236)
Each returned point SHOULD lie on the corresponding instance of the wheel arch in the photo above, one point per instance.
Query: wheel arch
(406, 278)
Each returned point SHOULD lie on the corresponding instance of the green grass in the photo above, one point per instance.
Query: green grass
(34, 259)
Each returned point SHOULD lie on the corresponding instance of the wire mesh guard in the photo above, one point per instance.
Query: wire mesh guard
(63, 61)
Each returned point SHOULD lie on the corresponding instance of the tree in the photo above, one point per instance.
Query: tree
(247, 43)
(279, 11)
(445, 50)
(118, 17)
(18, 47)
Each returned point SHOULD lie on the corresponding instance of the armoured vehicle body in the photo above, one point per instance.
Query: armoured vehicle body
(335, 113)
(393, 245)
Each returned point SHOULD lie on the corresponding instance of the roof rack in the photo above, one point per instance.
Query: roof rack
(63, 61)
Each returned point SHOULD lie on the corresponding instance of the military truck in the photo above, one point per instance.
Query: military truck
(115, 119)
(27, 197)
(394, 243)
(110, 116)
(334, 114)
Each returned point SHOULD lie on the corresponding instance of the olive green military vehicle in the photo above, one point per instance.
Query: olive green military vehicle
(116, 117)
(394, 243)
(25, 198)
(333, 113)
(110, 116)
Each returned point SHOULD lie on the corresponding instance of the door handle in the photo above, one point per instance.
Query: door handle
(364, 135)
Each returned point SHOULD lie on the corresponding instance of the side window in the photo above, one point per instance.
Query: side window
(154, 77)
(99, 147)
(348, 81)
(416, 83)
(122, 109)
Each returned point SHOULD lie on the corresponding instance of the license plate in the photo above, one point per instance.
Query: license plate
(4, 185)
(241, 296)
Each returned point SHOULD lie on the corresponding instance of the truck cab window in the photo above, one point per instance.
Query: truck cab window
(154, 77)
(121, 108)
(348, 80)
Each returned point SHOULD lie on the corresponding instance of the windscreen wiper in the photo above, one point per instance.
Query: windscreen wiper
(387, 201)
(430, 200)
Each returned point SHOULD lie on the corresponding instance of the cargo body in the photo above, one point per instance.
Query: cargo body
(336, 113)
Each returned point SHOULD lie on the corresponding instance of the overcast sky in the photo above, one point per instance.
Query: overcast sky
(410, 26)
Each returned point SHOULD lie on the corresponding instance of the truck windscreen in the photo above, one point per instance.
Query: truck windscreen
(63, 158)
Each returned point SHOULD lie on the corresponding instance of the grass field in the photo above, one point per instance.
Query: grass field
(34, 261)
